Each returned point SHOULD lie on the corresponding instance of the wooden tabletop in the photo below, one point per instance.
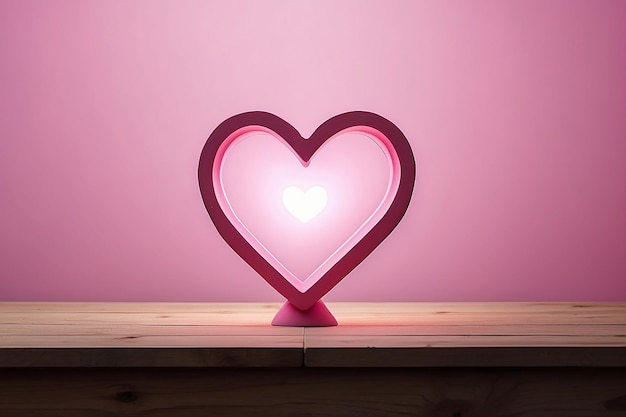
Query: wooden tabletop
(34, 334)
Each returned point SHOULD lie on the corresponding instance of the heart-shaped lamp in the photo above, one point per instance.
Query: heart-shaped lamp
(307, 203)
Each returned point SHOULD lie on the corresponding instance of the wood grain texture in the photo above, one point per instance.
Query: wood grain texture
(150, 357)
(471, 335)
(362, 392)
(384, 359)
(145, 335)
(369, 335)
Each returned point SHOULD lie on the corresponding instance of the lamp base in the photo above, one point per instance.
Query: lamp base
(316, 316)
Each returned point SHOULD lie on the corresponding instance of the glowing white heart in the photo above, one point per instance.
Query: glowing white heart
(305, 206)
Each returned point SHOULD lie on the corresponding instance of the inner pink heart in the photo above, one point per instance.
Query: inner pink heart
(361, 159)
(351, 167)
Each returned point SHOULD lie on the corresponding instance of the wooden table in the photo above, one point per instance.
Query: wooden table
(384, 359)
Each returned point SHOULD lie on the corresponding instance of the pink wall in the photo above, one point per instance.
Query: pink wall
(516, 112)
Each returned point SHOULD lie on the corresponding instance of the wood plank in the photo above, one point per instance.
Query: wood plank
(468, 357)
(414, 331)
(149, 341)
(470, 330)
(206, 314)
(145, 334)
(129, 329)
(151, 357)
(347, 309)
(462, 341)
(383, 314)
(461, 334)
(385, 359)
(347, 313)
(251, 314)
(365, 392)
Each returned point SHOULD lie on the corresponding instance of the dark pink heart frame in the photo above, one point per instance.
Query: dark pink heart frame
(305, 149)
